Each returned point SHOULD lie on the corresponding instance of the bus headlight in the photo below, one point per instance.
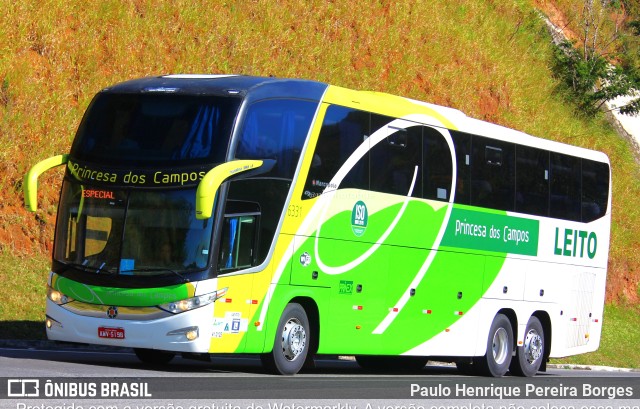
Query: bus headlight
(57, 297)
(189, 304)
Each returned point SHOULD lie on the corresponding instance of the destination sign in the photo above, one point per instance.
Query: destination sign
(137, 177)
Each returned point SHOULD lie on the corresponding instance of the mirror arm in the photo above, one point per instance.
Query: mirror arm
(210, 183)
(30, 182)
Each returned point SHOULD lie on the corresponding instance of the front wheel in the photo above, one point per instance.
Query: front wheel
(291, 344)
(529, 356)
(499, 348)
(153, 356)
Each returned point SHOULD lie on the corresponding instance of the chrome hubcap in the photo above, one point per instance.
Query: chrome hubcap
(532, 346)
(294, 339)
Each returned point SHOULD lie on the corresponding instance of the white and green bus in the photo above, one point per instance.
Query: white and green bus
(204, 214)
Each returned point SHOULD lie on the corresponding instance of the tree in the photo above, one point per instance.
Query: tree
(586, 66)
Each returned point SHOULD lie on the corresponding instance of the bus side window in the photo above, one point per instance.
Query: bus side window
(462, 143)
(595, 189)
(238, 243)
(395, 158)
(532, 181)
(276, 129)
(437, 168)
(565, 187)
(492, 171)
(343, 131)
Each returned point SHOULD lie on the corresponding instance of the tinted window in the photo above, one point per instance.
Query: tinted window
(343, 131)
(565, 200)
(462, 144)
(396, 159)
(532, 181)
(239, 236)
(276, 129)
(268, 195)
(492, 169)
(143, 129)
(595, 189)
(437, 169)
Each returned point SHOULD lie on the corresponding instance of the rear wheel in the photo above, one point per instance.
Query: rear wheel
(499, 348)
(153, 356)
(529, 356)
(291, 344)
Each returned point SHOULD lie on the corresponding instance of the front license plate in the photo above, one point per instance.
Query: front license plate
(114, 333)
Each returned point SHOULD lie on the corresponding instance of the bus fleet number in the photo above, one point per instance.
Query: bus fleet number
(294, 211)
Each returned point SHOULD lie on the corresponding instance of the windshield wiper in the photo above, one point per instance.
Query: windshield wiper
(89, 269)
(152, 269)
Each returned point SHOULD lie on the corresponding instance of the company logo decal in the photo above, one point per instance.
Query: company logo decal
(346, 287)
(112, 312)
(359, 218)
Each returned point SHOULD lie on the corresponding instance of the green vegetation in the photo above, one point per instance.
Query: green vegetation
(22, 312)
(489, 58)
(602, 62)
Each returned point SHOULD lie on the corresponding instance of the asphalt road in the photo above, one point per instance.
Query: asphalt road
(239, 382)
(78, 362)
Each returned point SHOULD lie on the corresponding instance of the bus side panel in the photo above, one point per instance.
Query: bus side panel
(449, 291)
(231, 314)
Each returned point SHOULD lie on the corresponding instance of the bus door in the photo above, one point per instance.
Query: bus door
(238, 242)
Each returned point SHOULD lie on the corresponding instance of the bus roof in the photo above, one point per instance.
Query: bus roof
(268, 87)
(240, 85)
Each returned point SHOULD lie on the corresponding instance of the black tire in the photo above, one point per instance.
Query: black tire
(154, 356)
(529, 356)
(291, 343)
(496, 361)
(393, 364)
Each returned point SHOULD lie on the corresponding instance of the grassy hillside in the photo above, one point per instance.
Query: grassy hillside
(488, 58)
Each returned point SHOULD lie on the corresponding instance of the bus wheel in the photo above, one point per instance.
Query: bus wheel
(291, 344)
(401, 363)
(529, 356)
(499, 348)
(153, 356)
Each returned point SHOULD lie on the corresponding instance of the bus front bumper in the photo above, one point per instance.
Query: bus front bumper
(171, 333)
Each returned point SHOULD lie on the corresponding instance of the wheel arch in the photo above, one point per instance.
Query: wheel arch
(513, 320)
(313, 315)
(545, 320)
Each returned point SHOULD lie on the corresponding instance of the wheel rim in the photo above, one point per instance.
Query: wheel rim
(500, 346)
(294, 339)
(532, 346)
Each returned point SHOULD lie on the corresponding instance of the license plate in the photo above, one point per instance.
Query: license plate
(114, 333)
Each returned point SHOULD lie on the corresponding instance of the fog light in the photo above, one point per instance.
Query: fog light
(191, 333)
(50, 323)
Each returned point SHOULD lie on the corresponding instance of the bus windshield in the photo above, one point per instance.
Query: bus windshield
(137, 232)
(151, 128)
